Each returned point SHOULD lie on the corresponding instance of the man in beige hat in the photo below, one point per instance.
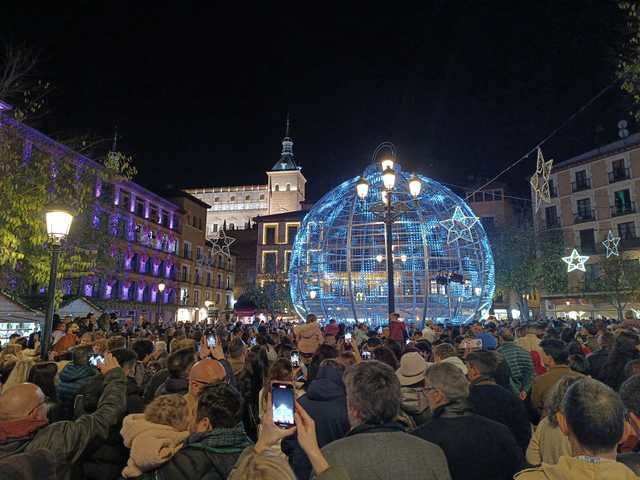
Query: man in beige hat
(414, 401)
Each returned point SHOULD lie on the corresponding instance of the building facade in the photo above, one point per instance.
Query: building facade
(276, 235)
(162, 260)
(593, 194)
(236, 207)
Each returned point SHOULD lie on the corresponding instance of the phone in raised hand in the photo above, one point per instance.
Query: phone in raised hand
(347, 337)
(96, 360)
(295, 359)
(283, 404)
(211, 341)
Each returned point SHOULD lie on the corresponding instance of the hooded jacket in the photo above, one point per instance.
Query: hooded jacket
(72, 379)
(308, 337)
(151, 444)
(570, 468)
(326, 403)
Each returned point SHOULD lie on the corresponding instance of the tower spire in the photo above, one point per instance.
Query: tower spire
(286, 161)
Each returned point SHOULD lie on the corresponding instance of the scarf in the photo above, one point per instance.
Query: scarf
(14, 429)
(220, 438)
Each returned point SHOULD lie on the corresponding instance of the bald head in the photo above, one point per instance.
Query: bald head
(203, 373)
(21, 401)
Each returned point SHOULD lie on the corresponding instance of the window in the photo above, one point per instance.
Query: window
(140, 208)
(587, 241)
(618, 171)
(124, 199)
(154, 214)
(269, 262)
(581, 176)
(233, 198)
(287, 258)
(218, 298)
(184, 296)
(197, 277)
(199, 253)
(187, 250)
(207, 295)
(552, 188)
(165, 219)
(228, 282)
(185, 273)
(622, 202)
(219, 282)
(216, 199)
(292, 231)
(232, 226)
(591, 276)
(551, 216)
(196, 297)
(247, 198)
(582, 182)
(262, 197)
(288, 187)
(497, 195)
(584, 209)
(488, 196)
(276, 188)
(208, 279)
(478, 196)
(270, 232)
(627, 231)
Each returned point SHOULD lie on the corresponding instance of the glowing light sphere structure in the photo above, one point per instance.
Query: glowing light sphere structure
(443, 266)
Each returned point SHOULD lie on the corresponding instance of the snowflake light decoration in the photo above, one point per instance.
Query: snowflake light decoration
(459, 226)
(575, 261)
(540, 180)
(611, 244)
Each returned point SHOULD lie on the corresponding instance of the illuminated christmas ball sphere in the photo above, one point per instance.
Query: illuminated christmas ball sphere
(442, 261)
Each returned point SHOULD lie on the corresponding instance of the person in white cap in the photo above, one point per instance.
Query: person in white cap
(413, 401)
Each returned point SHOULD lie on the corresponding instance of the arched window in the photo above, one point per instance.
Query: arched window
(232, 226)
(288, 187)
(276, 188)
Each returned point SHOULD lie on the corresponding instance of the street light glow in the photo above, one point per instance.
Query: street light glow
(415, 185)
(362, 188)
(386, 163)
(161, 287)
(389, 178)
(58, 224)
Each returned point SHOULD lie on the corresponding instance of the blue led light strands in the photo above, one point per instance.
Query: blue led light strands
(338, 263)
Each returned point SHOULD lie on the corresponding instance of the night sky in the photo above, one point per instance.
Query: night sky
(200, 94)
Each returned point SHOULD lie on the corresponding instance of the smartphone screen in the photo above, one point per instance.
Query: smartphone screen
(96, 360)
(347, 337)
(211, 341)
(283, 404)
(295, 359)
(366, 355)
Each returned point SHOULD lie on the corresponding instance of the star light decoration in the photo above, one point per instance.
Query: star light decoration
(221, 244)
(575, 261)
(611, 244)
(540, 180)
(459, 226)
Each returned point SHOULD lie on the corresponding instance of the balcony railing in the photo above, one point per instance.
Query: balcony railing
(629, 240)
(618, 174)
(581, 185)
(623, 209)
(585, 216)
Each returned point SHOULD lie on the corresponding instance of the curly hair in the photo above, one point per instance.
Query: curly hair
(171, 410)
(261, 466)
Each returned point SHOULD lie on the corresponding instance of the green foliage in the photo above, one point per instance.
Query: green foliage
(619, 282)
(629, 65)
(526, 261)
(273, 297)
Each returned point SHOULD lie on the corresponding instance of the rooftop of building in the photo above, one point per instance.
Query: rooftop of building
(620, 146)
(234, 188)
(177, 193)
(282, 217)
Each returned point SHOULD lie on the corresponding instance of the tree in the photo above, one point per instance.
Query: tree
(629, 66)
(32, 178)
(525, 261)
(619, 282)
(273, 296)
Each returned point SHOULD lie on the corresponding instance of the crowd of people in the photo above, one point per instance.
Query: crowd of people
(549, 400)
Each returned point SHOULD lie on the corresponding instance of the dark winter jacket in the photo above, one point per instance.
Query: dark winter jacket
(67, 440)
(156, 380)
(596, 361)
(104, 460)
(501, 405)
(72, 379)
(204, 456)
(326, 403)
(476, 448)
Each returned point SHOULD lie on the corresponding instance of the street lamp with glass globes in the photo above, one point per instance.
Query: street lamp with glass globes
(161, 287)
(388, 210)
(58, 221)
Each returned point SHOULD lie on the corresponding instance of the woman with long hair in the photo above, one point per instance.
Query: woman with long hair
(249, 384)
(624, 350)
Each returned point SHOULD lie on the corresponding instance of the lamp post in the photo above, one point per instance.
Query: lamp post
(58, 224)
(388, 211)
(161, 287)
(207, 304)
